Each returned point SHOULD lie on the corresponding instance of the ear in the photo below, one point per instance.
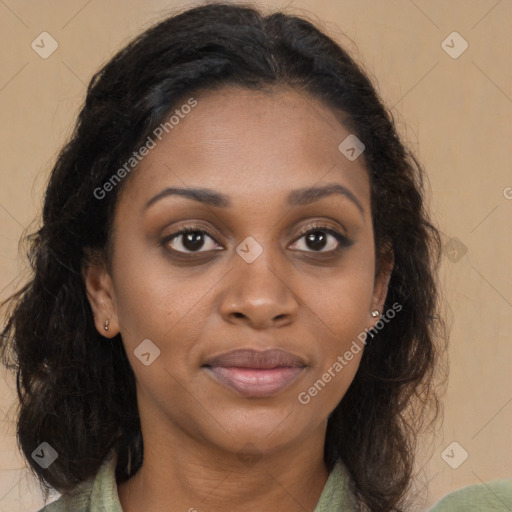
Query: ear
(381, 283)
(100, 293)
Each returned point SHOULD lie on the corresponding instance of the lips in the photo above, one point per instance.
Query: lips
(254, 373)
(247, 358)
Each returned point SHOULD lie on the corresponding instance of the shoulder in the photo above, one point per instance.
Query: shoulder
(96, 494)
(489, 496)
(337, 493)
(79, 500)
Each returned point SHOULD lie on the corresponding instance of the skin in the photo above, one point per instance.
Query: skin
(254, 147)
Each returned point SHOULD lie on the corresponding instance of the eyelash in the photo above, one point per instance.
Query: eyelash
(343, 241)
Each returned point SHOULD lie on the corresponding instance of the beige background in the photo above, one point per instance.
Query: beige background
(455, 113)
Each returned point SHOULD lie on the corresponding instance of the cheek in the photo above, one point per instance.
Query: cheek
(166, 305)
(343, 313)
(342, 308)
(151, 295)
(342, 303)
(326, 389)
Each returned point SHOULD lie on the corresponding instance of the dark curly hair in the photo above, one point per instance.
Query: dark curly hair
(78, 392)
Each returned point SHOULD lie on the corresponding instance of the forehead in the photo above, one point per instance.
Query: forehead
(249, 145)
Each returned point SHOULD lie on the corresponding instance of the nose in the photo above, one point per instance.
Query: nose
(258, 294)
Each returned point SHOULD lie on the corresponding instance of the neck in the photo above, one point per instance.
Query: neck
(190, 476)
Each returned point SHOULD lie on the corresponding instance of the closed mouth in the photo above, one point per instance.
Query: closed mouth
(256, 374)
(248, 358)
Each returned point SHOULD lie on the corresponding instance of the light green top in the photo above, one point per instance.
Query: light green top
(99, 494)
(494, 496)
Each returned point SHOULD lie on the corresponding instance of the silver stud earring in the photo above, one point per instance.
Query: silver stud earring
(106, 325)
(375, 313)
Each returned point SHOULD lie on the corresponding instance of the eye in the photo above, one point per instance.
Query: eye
(318, 237)
(190, 239)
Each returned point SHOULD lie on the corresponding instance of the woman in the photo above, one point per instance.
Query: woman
(234, 300)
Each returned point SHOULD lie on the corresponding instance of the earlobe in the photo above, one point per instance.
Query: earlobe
(100, 294)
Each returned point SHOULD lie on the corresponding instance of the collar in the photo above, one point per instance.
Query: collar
(336, 495)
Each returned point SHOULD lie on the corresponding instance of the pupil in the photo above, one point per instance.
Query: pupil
(193, 241)
(313, 239)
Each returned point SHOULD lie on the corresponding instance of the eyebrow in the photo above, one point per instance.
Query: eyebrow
(298, 197)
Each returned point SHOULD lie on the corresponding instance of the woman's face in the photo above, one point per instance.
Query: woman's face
(247, 279)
